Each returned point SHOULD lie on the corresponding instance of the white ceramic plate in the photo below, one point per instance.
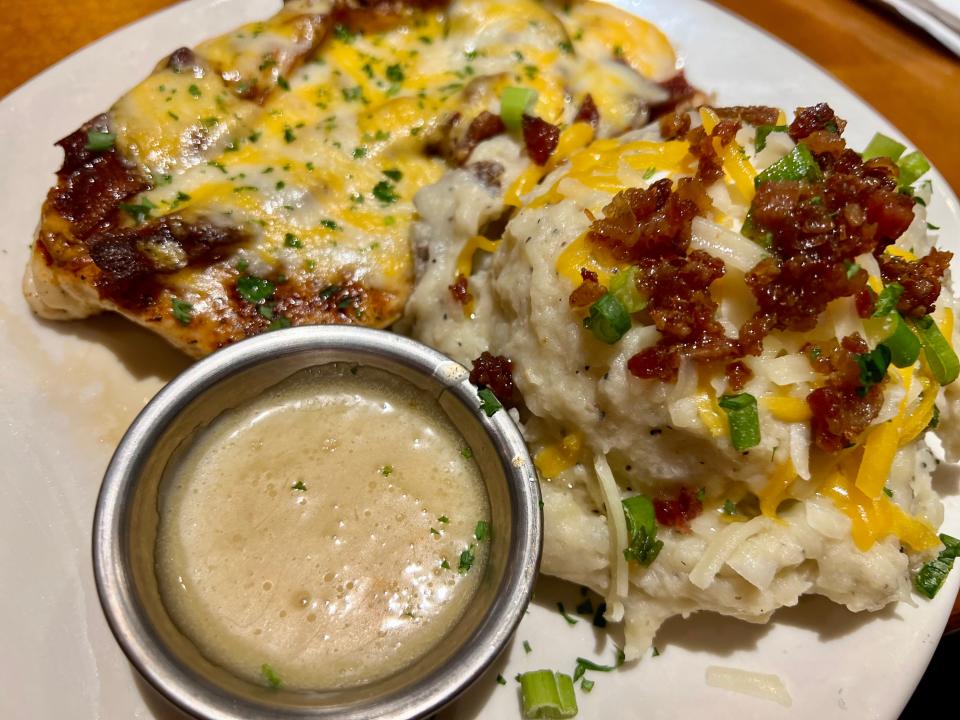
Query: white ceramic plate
(69, 389)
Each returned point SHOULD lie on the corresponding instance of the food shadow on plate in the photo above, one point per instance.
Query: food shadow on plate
(160, 708)
(946, 479)
(142, 353)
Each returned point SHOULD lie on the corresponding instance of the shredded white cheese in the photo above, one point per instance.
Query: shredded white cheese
(723, 545)
(758, 685)
(617, 523)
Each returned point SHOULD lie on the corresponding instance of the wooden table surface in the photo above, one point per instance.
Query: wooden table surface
(902, 73)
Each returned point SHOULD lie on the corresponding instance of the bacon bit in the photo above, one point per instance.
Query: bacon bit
(709, 165)
(750, 114)
(460, 290)
(866, 302)
(841, 408)
(674, 125)
(483, 127)
(588, 112)
(737, 375)
(807, 120)
(681, 307)
(651, 222)
(496, 372)
(679, 93)
(817, 229)
(540, 137)
(921, 280)
(588, 292)
(679, 511)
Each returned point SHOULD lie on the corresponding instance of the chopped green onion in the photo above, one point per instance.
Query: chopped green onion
(298, 485)
(912, 167)
(566, 615)
(466, 452)
(798, 164)
(583, 665)
(904, 346)
(546, 694)
(852, 270)
(292, 241)
(386, 470)
(888, 492)
(873, 365)
(623, 286)
(931, 576)
(586, 685)
(608, 319)
(138, 211)
(273, 680)
(385, 192)
(181, 310)
(883, 146)
(887, 299)
(526, 647)
(255, 290)
(394, 174)
(488, 401)
(763, 131)
(501, 680)
(743, 419)
(729, 507)
(641, 530)
(99, 141)
(482, 531)
(514, 102)
(940, 356)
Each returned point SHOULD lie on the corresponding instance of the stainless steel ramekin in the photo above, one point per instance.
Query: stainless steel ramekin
(125, 526)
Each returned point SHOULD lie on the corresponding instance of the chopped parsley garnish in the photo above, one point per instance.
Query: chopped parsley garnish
(443, 519)
(282, 82)
(393, 174)
(194, 91)
(359, 152)
(729, 507)
(852, 270)
(566, 616)
(278, 324)
(656, 651)
(445, 565)
(288, 134)
(467, 558)
(273, 680)
(482, 531)
(343, 33)
(466, 453)
(173, 115)
(501, 680)
(292, 241)
(138, 211)
(931, 576)
(649, 172)
(385, 192)
(566, 47)
(641, 530)
(329, 224)
(99, 141)
(488, 402)
(255, 290)
(888, 492)
(434, 531)
(298, 485)
(526, 647)
(219, 166)
(266, 311)
(395, 73)
(386, 470)
(352, 94)
(181, 310)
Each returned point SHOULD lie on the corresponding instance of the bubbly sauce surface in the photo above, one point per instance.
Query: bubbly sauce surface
(325, 534)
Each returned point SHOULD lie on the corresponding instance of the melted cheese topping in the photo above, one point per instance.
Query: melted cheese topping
(322, 173)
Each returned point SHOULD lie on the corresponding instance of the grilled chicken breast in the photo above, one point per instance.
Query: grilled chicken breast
(265, 178)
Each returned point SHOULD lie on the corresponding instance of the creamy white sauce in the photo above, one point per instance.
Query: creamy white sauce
(310, 530)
